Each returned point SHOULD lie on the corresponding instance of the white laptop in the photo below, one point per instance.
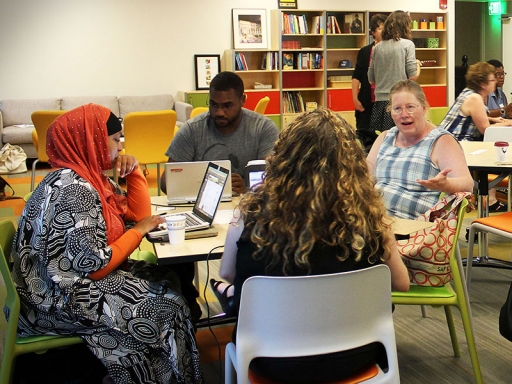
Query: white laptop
(207, 201)
(183, 180)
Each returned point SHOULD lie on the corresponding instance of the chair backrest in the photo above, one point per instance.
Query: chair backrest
(455, 258)
(262, 105)
(290, 316)
(12, 301)
(498, 134)
(197, 111)
(437, 114)
(147, 135)
(41, 121)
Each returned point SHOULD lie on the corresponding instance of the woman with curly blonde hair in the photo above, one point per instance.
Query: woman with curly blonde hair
(316, 212)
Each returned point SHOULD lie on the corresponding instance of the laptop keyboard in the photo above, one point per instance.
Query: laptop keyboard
(191, 221)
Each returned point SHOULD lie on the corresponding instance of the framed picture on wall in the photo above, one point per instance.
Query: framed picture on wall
(249, 28)
(207, 66)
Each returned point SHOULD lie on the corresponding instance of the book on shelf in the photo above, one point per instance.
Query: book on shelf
(311, 106)
(316, 25)
(287, 61)
(294, 24)
(240, 63)
(332, 25)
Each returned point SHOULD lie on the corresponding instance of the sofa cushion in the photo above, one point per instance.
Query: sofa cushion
(129, 104)
(17, 135)
(109, 102)
(19, 111)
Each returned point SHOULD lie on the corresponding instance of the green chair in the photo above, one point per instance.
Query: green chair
(436, 114)
(13, 344)
(454, 294)
(147, 256)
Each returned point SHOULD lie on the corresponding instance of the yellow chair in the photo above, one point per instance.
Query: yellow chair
(262, 105)
(14, 345)
(197, 111)
(147, 136)
(454, 294)
(41, 121)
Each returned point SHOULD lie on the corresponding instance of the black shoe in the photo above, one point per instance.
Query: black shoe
(225, 302)
(467, 236)
(497, 207)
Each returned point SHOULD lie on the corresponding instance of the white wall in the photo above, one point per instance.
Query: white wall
(54, 48)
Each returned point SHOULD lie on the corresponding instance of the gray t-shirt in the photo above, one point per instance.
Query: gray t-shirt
(199, 140)
(392, 61)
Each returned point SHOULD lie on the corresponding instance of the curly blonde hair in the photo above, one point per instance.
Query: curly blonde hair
(316, 189)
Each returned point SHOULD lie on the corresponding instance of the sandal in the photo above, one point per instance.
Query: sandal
(226, 302)
(497, 207)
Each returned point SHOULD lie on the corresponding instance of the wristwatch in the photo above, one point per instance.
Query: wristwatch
(503, 112)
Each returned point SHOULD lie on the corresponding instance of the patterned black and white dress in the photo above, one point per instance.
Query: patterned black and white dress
(140, 330)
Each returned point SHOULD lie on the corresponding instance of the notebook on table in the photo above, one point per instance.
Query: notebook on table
(183, 180)
(206, 202)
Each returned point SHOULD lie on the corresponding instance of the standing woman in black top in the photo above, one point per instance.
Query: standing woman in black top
(362, 92)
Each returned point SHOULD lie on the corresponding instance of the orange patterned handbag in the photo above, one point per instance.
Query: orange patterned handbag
(426, 253)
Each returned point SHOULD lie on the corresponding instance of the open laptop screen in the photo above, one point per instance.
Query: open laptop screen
(210, 193)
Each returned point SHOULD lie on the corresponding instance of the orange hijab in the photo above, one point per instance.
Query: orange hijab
(78, 140)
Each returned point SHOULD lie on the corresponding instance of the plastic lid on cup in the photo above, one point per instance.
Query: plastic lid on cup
(500, 144)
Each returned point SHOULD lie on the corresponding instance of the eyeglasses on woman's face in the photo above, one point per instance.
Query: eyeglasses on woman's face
(409, 108)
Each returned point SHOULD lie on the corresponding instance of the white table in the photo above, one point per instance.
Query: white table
(211, 247)
(481, 159)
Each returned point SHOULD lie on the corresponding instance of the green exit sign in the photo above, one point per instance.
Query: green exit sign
(494, 8)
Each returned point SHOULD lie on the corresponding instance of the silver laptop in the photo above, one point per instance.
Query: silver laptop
(207, 201)
(183, 180)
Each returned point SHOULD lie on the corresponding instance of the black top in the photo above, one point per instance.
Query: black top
(322, 260)
(361, 74)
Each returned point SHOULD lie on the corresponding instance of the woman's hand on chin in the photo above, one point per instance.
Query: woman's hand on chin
(126, 164)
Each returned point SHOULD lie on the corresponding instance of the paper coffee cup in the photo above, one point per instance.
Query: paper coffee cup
(176, 228)
(501, 150)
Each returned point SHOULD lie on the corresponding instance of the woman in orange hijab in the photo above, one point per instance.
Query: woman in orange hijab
(71, 239)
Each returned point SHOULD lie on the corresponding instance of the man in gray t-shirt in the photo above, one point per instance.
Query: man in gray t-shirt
(226, 132)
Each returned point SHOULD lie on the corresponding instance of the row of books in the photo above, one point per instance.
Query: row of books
(270, 61)
(304, 60)
(293, 102)
(291, 44)
(240, 62)
(295, 24)
(332, 25)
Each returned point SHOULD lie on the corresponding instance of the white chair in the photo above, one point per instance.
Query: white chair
(292, 316)
(501, 134)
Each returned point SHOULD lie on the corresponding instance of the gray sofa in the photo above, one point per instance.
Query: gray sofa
(16, 124)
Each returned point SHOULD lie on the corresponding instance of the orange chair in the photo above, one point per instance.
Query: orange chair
(41, 121)
(262, 105)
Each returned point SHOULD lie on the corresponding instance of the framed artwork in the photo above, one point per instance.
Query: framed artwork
(249, 28)
(287, 4)
(353, 23)
(207, 66)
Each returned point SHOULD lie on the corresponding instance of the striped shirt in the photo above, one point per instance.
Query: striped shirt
(462, 127)
(397, 171)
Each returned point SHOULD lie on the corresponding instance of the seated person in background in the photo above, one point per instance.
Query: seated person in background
(72, 238)
(414, 161)
(467, 118)
(316, 212)
(227, 132)
(496, 102)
